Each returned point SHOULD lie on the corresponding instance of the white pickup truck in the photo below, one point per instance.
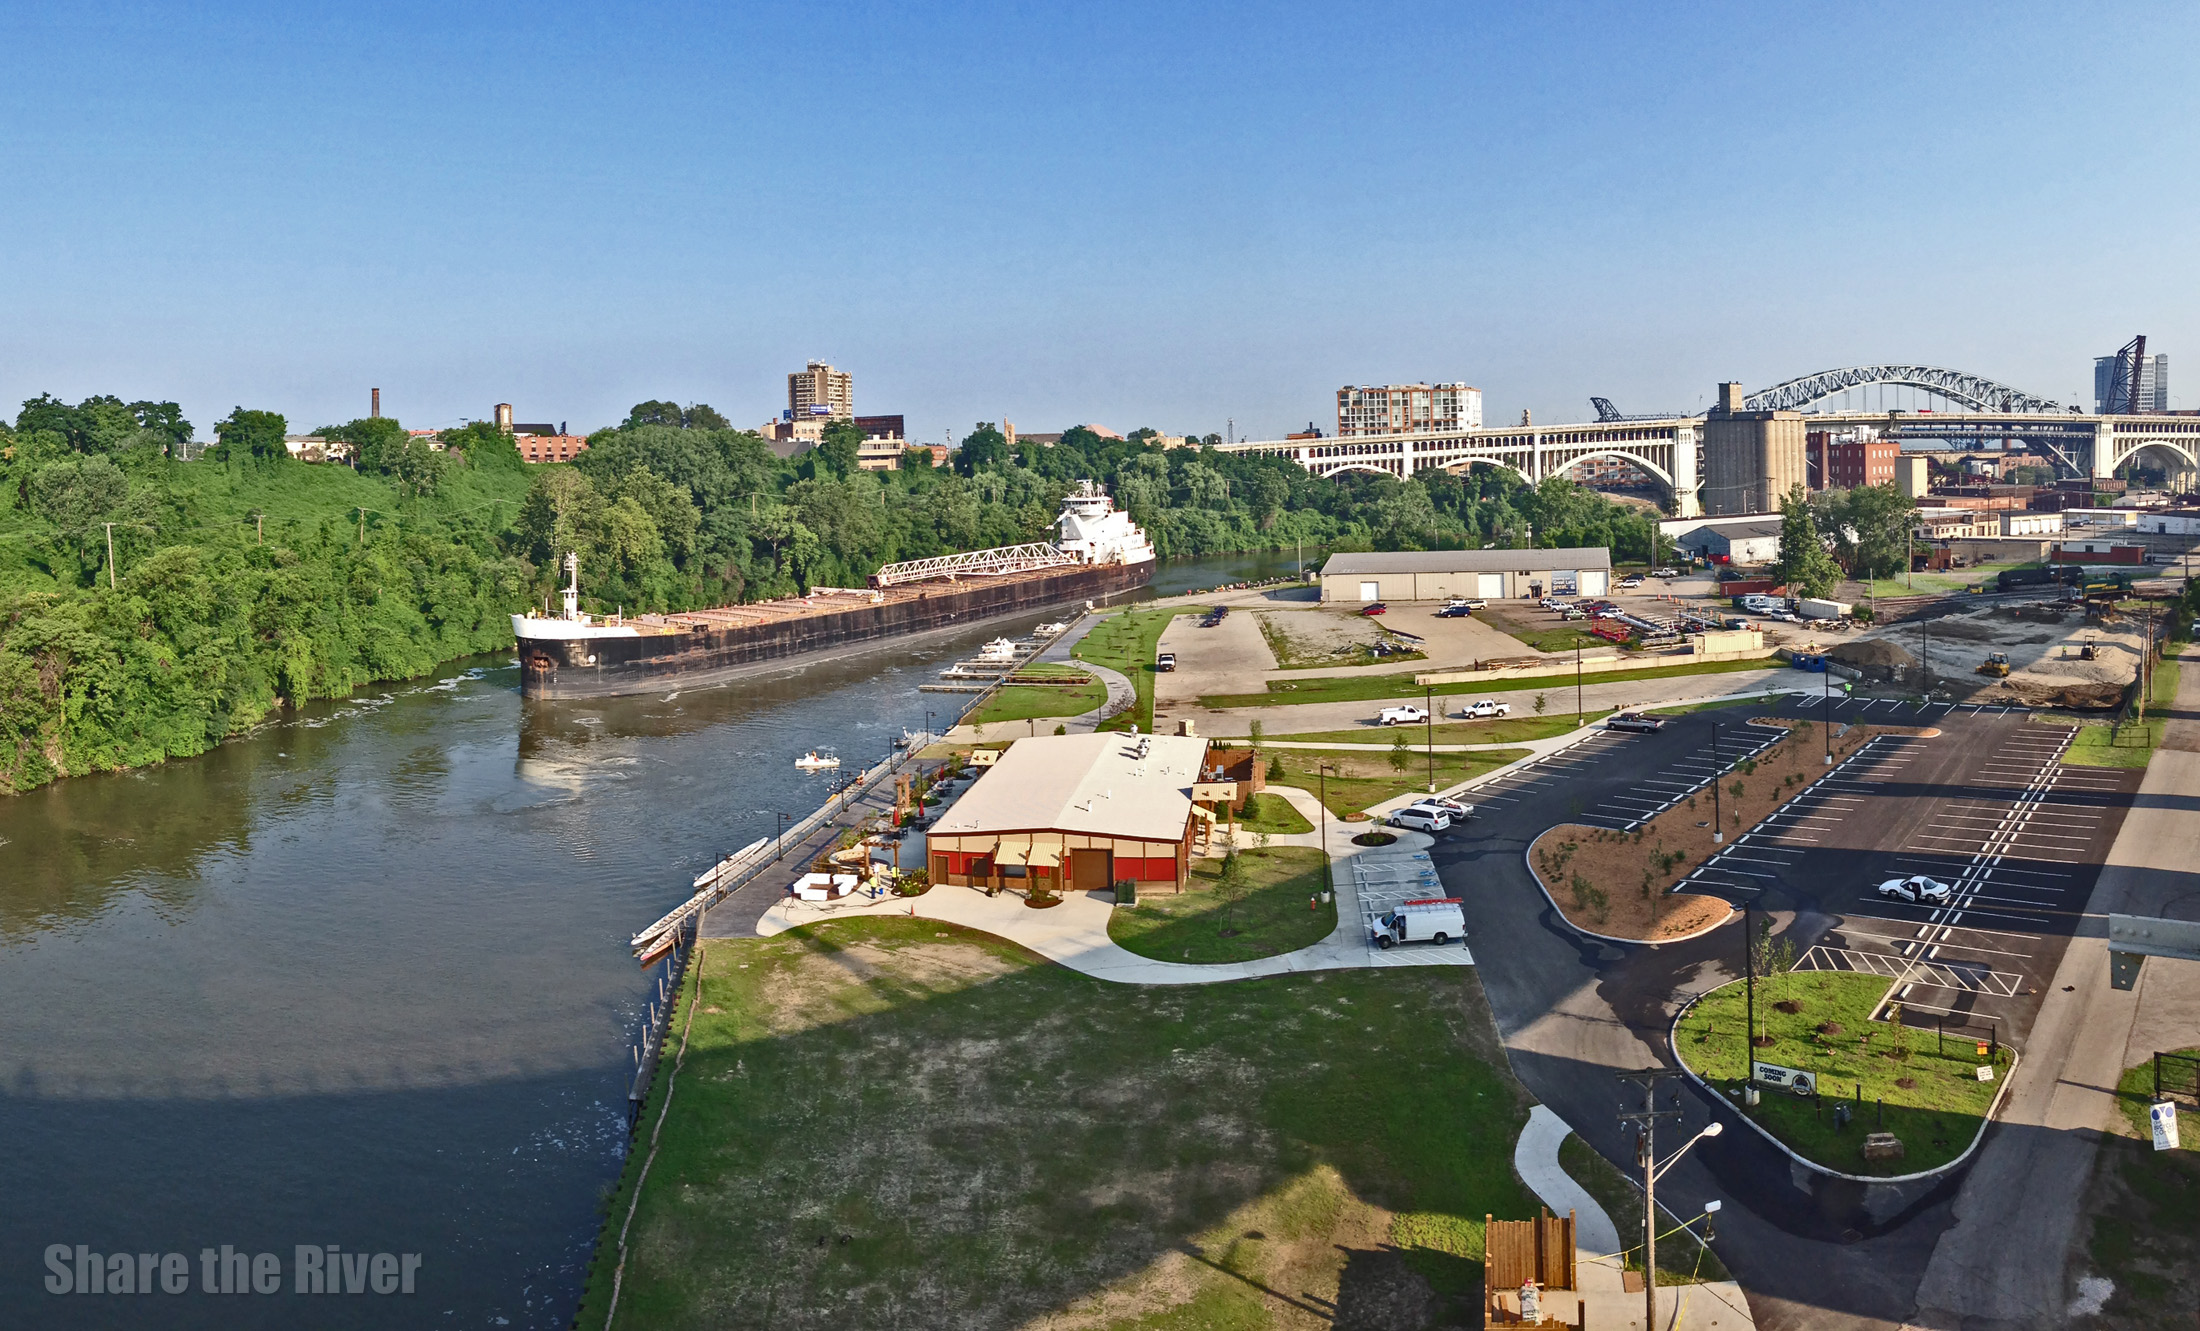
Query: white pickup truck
(1430, 920)
(1401, 716)
(1476, 711)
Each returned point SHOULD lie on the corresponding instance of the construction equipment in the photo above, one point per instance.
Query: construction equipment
(2089, 651)
(1996, 664)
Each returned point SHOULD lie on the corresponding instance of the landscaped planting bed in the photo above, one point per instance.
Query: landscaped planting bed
(1821, 1022)
(1619, 883)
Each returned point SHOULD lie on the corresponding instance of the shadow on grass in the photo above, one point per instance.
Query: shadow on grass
(999, 1138)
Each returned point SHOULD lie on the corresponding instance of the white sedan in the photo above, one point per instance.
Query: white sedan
(1916, 888)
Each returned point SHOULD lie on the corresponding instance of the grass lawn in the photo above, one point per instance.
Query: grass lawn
(2100, 744)
(1357, 780)
(1936, 1116)
(1952, 580)
(1561, 639)
(1021, 702)
(898, 1123)
(1125, 642)
(1509, 730)
(1202, 925)
(1273, 813)
(1368, 688)
(2145, 1210)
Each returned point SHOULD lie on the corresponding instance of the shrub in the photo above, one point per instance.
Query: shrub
(1275, 769)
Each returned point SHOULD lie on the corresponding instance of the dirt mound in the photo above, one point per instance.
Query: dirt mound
(1873, 652)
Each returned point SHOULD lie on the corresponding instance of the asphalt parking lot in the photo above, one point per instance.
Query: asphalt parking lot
(1617, 779)
(1987, 807)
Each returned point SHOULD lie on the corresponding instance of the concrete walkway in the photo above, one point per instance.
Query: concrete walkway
(1597, 1248)
(1075, 933)
(2005, 1263)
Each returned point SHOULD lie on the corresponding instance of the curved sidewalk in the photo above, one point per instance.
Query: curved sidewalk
(1597, 1246)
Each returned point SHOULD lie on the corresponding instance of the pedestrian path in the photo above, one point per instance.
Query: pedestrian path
(1597, 1248)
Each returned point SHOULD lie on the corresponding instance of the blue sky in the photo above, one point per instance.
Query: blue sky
(1170, 215)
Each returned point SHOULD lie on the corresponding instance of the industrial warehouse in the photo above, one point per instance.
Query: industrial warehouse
(1081, 812)
(1436, 575)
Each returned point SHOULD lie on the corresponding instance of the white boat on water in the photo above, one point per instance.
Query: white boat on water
(1053, 630)
(998, 650)
(813, 761)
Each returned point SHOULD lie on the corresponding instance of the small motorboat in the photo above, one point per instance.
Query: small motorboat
(1053, 630)
(813, 761)
(1000, 649)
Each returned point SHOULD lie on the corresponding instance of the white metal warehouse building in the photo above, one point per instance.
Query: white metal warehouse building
(1436, 575)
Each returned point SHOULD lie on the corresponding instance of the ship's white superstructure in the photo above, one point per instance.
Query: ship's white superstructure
(1095, 532)
(573, 623)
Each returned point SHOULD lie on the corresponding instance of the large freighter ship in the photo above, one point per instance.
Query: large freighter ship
(1099, 553)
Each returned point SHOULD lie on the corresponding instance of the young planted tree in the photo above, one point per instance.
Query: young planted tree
(1401, 753)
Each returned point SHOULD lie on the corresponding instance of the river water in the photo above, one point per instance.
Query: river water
(360, 978)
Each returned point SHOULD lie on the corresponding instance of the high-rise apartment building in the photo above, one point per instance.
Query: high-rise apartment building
(1408, 409)
(2153, 382)
(821, 390)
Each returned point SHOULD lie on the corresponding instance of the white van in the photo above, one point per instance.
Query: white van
(1418, 819)
(1429, 920)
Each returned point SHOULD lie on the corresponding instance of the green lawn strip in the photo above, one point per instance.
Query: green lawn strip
(1202, 925)
(1681, 1260)
(1125, 643)
(1511, 730)
(1357, 780)
(1712, 706)
(2145, 1210)
(1937, 1117)
(999, 1137)
(1021, 702)
(1367, 688)
(1273, 813)
(2132, 744)
(1563, 639)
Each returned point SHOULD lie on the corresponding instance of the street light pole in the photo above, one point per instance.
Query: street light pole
(1321, 778)
(1645, 1122)
(782, 835)
(1827, 666)
(1428, 718)
(1718, 829)
(1581, 713)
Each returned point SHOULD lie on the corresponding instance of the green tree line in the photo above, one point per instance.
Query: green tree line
(152, 606)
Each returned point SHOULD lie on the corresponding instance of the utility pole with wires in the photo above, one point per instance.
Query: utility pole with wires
(1645, 1123)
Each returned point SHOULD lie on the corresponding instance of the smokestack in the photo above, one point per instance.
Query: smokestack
(504, 417)
(374, 408)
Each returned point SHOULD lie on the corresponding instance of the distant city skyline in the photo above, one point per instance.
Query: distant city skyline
(1171, 217)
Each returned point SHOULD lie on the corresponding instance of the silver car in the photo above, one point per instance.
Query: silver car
(1917, 888)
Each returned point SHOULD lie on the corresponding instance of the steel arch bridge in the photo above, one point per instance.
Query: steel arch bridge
(1974, 391)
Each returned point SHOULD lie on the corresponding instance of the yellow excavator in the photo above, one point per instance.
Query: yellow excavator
(1996, 664)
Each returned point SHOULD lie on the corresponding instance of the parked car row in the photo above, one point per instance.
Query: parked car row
(1431, 815)
(1406, 714)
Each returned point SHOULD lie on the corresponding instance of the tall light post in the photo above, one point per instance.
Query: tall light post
(1581, 713)
(1826, 667)
(1321, 777)
(782, 835)
(1428, 718)
(1645, 1122)
(1718, 829)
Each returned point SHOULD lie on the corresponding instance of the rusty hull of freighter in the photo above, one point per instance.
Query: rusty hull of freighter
(702, 647)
